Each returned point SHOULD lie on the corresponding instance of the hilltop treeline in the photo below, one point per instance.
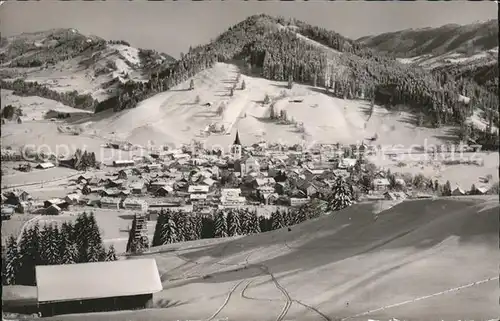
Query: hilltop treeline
(68, 98)
(72, 243)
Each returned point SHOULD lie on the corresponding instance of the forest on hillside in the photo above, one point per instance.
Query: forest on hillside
(278, 54)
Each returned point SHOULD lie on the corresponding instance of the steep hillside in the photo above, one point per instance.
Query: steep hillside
(466, 39)
(57, 62)
(420, 260)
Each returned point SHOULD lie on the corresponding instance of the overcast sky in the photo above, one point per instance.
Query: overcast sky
(172, 27)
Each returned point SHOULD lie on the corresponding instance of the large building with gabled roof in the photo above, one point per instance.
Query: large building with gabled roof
(96, 287)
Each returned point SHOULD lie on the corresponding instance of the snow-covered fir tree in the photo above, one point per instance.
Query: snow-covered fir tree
(220, 224)
(254, 226)
(169, 231)
(233, 223)
(246, 221)
(277, 221)
(12, 262)
(341, 195)
(179, 220)
(299, 215)
(49, 245)
(111, 254)
(160, 221)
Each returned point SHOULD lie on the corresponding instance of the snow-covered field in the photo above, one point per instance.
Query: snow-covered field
(420, 260)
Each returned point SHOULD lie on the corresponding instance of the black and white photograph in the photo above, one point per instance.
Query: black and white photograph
(250, 160)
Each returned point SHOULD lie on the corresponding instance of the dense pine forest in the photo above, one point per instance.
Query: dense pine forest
(71, 243)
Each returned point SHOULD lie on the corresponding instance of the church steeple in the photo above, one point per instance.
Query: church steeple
(236, 147)
(237, 139)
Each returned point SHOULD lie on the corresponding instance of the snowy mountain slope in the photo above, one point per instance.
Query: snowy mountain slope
(420, 260)
(64, 60)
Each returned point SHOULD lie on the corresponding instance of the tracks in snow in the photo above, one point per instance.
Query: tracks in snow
(422, 297)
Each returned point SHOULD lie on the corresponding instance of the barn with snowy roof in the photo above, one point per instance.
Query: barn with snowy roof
(97, 286)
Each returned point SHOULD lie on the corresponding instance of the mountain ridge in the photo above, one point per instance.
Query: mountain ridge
(436, 41)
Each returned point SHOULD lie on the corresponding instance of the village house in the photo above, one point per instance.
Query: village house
(347, 163)
(481, 190)
(45, 165)
(251, 164)
(128, 173)
(116, 183)
(138, 188)
(311, 189)
(298, 201)
(395, 196)
(458, 191)
(168, 202)
(232, 197)
(381, 184)
(263, 181)
(87, 189)
(53, 210)
(110, 203)
(17, 196)
(135, 204)
(7, 212)
(164, 190)
(83, 179)
(198, 189)
(341, 173)
(123, 163)
(152, 168)
(198, 198)
(311, 173)
(72, 198)
(400, 182)
(157, 184)
(61, 203)
(114, 192)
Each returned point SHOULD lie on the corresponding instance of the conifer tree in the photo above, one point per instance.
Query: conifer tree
(49, 249)
(277, 220)
(254, 226)
(220, 225)
(299, 215)
(234, 223)
(447, 189)
(191, 84)
(111, 254)
(169, 231)
(263, 224)
(12, 262)
(208, 227)
(179, 220)
(80, 234)
(160, 221)
(29, 249)
(196, 226)
(243, 85)
(133, 244)
(288, 219)
(341, 195)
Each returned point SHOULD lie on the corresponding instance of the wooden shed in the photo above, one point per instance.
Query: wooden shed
(96, 287)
